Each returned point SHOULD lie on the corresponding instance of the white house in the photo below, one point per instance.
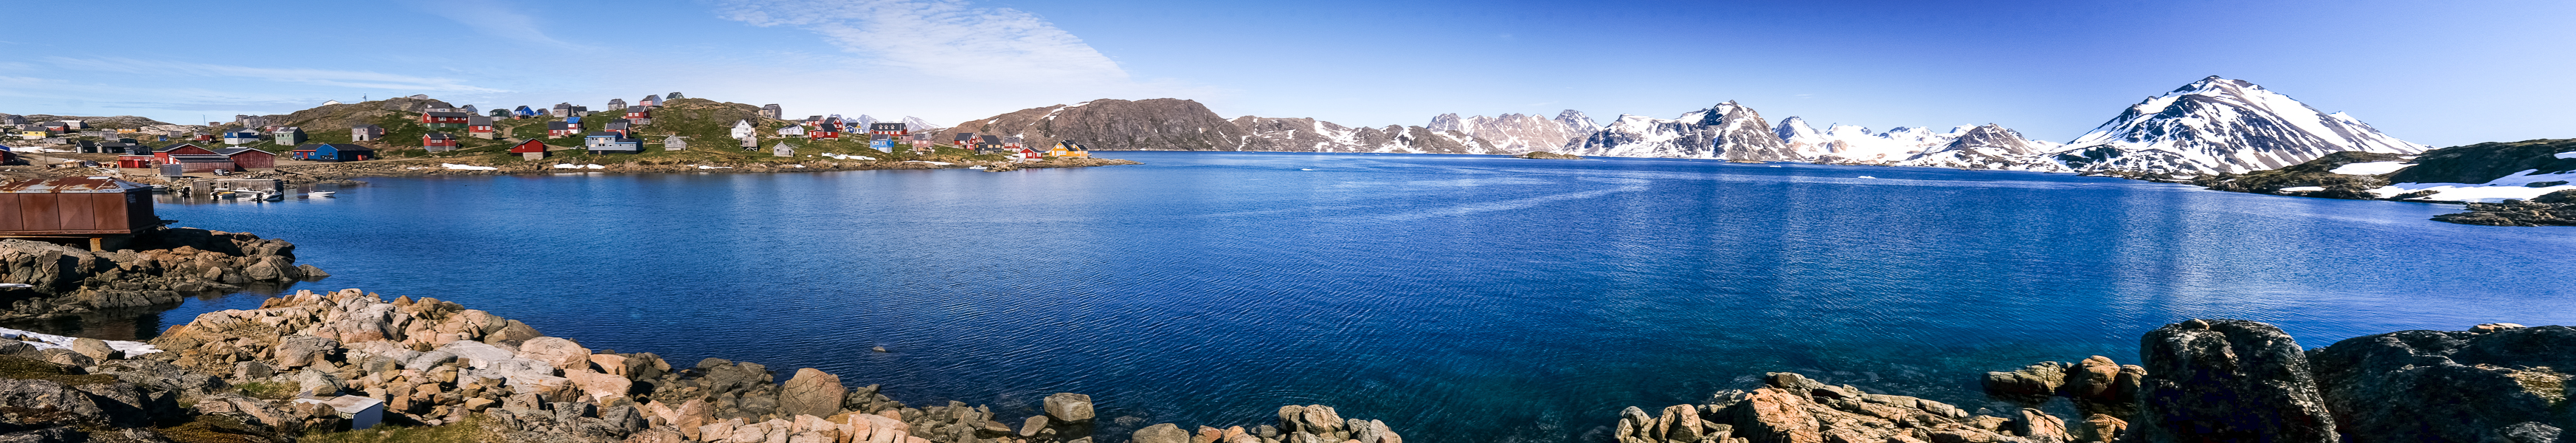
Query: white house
(792, 131)
(742, 129)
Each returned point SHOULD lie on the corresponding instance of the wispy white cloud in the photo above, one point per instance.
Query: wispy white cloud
(948, 37)
(491, 18)
(325, 77)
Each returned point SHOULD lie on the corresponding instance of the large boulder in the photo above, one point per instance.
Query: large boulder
(2228, 381)
(1069, 407)
(556, 352)
(1162, 433)
(811, 392)
(2032, 384)
(2490, 384)
(296, 351)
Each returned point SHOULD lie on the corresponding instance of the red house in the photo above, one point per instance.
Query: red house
(162, 156)
(531, 149)
(638, 113)
(561, 129)
(438, 141)
(481, 128)
(824, 132)
(133, 161)
(247, 158)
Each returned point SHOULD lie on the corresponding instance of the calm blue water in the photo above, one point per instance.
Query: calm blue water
(1458, 298)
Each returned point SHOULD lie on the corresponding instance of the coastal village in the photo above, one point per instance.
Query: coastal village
(419, 135)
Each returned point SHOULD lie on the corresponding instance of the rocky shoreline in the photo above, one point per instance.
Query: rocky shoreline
(158, 270)
(237, 376)
(232, 375)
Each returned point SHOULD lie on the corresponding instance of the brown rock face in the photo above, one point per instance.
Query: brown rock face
(812, 392)
(2030, 385)
(1771, 415)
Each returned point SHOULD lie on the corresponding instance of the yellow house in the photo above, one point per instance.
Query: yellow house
(1068, 149)
(31, 135)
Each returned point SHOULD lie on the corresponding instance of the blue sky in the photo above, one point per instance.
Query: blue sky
(2440, 73)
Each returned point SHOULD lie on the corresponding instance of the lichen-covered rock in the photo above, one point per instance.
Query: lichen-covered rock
(2228, 381)
(2448, 386)
(1072, 408)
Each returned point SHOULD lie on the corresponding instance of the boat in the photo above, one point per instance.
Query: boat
(321, 193)
(272, 196)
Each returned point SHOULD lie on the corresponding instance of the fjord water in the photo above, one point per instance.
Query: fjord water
(1458, 298)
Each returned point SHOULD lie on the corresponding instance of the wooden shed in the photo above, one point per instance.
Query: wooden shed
(248, 159)
(104, 211)
(204, 162)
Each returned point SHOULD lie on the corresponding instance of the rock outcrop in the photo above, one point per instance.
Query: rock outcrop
(163, 266)
(2228, 381)
(2552, 209)
(2501, 383)
(434, 362)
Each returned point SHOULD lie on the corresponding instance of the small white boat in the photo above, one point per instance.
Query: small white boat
(15, 285)
(272, 196)
(326, 194)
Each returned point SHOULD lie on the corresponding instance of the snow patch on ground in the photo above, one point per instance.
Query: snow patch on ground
(2370, 168)
(2568, 154)
(2303, 189)
(847, 156)
(467, 167)
(50, 341)
(2511, 187)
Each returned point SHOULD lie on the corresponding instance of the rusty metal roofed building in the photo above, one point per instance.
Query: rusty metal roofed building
(104, 211)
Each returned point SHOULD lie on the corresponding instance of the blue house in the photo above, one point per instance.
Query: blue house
(523, 112)
(330, 152)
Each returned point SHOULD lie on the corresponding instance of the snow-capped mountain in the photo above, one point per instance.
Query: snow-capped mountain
(916, 124)
(2221, 125)
(1964, 147)
(1311, 135)
(1518, 133)
(864, 121)
(1727, 131)
(1988, 147)
(1854, 144)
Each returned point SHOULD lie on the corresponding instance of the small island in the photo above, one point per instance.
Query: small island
(1544, 155)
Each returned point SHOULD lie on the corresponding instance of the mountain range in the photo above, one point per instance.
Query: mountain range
(2214, 125)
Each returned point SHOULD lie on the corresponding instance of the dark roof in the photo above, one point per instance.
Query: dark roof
(557, 126)
(176, 146)
(604, 134)
(478, 120)
(228, 152)
(992, 139)
(344, 147)
(965, 136)
(438, 136)
(445, 114)
(638, 109)
(308, 146)
(379, 128)
(201, 158)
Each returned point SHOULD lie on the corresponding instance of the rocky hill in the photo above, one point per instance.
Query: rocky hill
(1185, 125)
(115, 122)
(1161, 124)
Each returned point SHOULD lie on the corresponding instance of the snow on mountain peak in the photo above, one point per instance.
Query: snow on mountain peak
(2223, 125)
